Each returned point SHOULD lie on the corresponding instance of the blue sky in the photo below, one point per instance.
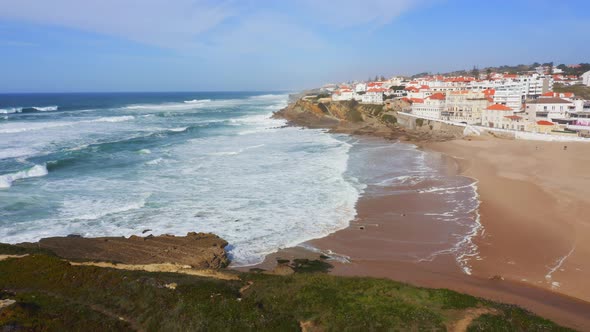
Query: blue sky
(198, 45)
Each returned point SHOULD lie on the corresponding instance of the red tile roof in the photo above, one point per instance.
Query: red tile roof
(376, 90)
(499, 107)
(438, 96)
(545, 123)
(549, 100)
(557, 94)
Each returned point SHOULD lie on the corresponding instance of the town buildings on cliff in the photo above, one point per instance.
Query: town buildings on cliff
(520, 102)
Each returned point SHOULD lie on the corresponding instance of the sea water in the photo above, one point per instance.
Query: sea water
(117, 164)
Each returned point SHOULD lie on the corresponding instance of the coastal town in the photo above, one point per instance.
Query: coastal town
(524, 101)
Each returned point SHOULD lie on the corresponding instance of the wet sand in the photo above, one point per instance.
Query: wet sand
(533, 195)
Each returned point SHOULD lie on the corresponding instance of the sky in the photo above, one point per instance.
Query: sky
(264, 45)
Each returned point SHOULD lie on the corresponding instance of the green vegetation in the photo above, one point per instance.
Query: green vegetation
(371, 109)
(419, 122)
(352, 110)
(53, 295)
(581, 91)
(513, 319)
(388, 118)
(521, 68)
(7, 249)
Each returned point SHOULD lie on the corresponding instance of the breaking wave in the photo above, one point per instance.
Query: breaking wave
(11, 110)
(6, 180)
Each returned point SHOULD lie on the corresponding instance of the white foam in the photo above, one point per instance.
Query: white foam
(6, 180)
(19, 127)
(11, 110)
(465, 248)
(559, 263)
(111, 119)
(197, 101)
(233, 153)
(89, 208)
(45, 108)
(178, 130)
(165, 107)
(144, 151)
(156, 161)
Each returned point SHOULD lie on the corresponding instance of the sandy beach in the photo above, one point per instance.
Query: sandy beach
(529, 249)
(534, 198)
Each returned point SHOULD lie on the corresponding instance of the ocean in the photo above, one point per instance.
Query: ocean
(116, 164)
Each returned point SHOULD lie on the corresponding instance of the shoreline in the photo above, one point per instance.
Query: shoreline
(442, 271)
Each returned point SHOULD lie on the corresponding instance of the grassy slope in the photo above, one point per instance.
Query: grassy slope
(579, 90)
(53, 295)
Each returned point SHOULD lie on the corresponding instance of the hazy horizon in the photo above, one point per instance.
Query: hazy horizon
(200, 45)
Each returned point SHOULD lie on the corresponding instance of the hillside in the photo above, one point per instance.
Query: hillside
(581, 91)
(515, 69)
(43, 292)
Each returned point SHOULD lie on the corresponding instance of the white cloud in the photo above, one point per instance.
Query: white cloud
(157, 22)
(195, 26)
(267, 33)
(348, 13)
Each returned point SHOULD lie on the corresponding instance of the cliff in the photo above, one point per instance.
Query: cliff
(197, 250)
(354, 118)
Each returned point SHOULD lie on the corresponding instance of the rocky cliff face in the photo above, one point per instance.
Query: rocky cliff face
(363, 119)
(198, 250)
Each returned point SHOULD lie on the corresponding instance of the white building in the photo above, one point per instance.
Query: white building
(396, 81)
(360, 87)
(586, 78)
(342, 94)
(556, 110)
(509, 94)
(373, 96)
(431, 107)
(503, 117)
(466, 106)
(534, 85)
(418, 92)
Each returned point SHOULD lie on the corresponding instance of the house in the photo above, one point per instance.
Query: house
(396, 81)
(586, 78)
(342, 94)
(466, 106)
(430, 107)
(420, 92)
(551, 109)
(360, 87)
(544, 127)
(374, 95)
(498, 116)
(562, 95)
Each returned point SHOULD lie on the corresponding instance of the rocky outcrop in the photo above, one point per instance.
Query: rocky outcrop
(197, 250)
(352, 117)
